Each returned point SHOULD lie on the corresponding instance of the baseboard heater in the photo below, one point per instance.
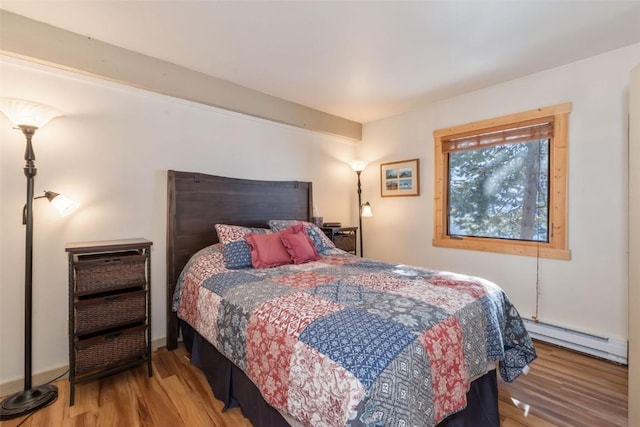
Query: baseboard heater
(606, 348)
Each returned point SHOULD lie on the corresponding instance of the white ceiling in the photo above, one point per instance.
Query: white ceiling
(361, 60)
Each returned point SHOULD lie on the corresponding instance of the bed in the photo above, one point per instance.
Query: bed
(338, 340)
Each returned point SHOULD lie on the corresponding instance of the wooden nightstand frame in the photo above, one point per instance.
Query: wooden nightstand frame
(343, 237)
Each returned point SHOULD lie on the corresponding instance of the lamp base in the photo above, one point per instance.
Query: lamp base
(27, 401)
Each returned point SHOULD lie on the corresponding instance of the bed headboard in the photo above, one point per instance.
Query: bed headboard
(197, 201)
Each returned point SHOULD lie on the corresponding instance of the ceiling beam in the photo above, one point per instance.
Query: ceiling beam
(35, 41)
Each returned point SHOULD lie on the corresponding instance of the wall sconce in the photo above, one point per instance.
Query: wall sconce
(358, 166)
(28, 117)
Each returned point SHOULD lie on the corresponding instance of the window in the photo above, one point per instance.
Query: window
(501, 184)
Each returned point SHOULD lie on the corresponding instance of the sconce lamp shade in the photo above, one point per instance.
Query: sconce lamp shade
(63, 204)
(358, 165)
(27, 113)
(366, 210)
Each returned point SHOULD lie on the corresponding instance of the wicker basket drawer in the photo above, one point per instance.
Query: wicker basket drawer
(110, 349)
(96, 314)
(346, 242)
(105, 272)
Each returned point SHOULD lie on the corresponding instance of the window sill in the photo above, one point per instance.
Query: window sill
(533, 249)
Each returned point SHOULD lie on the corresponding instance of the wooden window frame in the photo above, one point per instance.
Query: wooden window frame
(557, 247)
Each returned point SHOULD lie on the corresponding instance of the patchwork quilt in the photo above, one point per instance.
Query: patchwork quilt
(347, 341)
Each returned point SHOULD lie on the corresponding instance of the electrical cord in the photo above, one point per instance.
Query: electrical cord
(49, 404)
(538, 285)
(58, 377)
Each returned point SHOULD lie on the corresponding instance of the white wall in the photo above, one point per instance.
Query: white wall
(634, 247)
(111, 152)
(588, 293)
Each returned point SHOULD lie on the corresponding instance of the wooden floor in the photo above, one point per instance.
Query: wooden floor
(563, 388)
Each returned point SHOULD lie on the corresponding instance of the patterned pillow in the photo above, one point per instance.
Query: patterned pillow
(267, 249)
(235, 249)
(299, 245)
(319, 239)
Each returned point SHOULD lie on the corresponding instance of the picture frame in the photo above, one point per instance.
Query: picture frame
(400, 179)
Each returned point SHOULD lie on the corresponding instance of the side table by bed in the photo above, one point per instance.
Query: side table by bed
(109, 308)
(343, 237)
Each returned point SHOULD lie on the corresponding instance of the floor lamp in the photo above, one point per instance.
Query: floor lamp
(363, 210)
(28, 117)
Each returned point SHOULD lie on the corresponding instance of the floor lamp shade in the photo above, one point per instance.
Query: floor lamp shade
(27, 113)
(366, 210)
(358, 165)
(62, 203)
(28, 116)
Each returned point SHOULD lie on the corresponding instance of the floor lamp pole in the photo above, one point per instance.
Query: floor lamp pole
(360, 210)
(30, 399)
(30, 171)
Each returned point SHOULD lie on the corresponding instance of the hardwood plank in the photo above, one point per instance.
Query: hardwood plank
(566, 388)
(563, 388)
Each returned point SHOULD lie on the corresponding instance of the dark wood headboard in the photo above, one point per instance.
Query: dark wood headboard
(196, 202)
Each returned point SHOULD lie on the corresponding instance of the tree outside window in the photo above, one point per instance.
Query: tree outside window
(501, 184)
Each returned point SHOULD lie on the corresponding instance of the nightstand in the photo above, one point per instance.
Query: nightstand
(109, 308)
(343, 237)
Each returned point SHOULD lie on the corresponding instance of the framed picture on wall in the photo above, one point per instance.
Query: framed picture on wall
(399, 179)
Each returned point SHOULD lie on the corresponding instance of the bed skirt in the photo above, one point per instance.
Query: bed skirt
(231, 385)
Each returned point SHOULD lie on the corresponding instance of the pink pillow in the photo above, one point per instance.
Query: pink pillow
(267, 250)
(299, 245)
